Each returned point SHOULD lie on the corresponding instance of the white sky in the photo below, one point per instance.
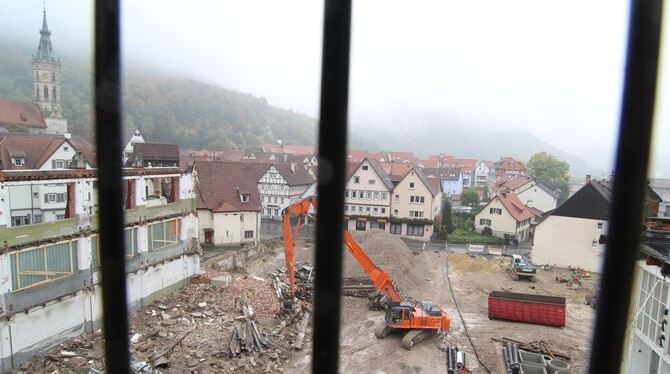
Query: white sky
(551, 68)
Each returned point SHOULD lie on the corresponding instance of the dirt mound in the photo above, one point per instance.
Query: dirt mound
(464, 263)
(391, 254)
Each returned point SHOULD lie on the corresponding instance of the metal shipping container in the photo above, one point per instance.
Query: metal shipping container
(538, 309)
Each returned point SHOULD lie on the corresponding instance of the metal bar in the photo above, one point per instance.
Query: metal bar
(630, 181)
(110, 191)
(331, 181)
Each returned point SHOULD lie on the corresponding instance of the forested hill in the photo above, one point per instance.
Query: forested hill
(190, 113)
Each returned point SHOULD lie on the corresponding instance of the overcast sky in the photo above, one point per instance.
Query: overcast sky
(552, 68)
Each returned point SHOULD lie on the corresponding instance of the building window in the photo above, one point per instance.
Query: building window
(165, 233)
(53, 77)
(241, 217)
(353, 194)
(346, 193)
(375, 195)
(600, 225)
(368, 195)
(382, 225)
(36, 195)
(415, 230)
(58, 164)
(95, 255)
(245, 198)
(495, 211)
(397, 198)
(21, 221)
(417, 199)
(276, 212)
(357, 180)
(53, 91)
(35, 266)
(364, 167)
(395, 212)
(375, 210)
(396, 228)
(383, 210)
(130, 238)
(346, 209)
(248, 234)
(416, 213)
(484, 222)
(594, 243)
(18, 161)
(38, 218)
(383, 196)
(360, 209)
(46, 93)
(60, 216)
(411, 184)
(371, 181)
(367, 210)
(360, 225)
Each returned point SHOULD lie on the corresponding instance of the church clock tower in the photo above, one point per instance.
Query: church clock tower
(46, 77)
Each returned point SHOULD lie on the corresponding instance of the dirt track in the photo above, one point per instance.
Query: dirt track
(473, 279)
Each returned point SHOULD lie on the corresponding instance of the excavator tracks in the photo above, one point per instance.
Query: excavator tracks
(415, 336)
(382, 330)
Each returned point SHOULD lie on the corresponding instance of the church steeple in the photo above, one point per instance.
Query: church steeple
(46, 77)
(45, 49)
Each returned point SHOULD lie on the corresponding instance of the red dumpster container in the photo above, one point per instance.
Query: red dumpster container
(521, 307)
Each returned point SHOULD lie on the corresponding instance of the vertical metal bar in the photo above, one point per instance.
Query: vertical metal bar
(331, 180)
(630, 181)
(110, 191)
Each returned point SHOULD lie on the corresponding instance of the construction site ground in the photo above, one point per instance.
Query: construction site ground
(193, 326)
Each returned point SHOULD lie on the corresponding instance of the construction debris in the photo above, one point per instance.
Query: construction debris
(537, 346)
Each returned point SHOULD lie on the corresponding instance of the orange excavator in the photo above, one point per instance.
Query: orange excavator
(417, 319)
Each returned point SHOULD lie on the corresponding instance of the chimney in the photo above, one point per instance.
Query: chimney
(588, 178)
(67, 135)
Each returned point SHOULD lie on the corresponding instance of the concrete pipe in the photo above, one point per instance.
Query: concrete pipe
(555, 365)
(529, 368)
(532, 358)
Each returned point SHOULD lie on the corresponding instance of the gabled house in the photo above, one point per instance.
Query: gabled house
(505, 215)
(148, 155)
(281, 185)
(509, 167)
(397, 170)
(571, 234)
(367, 196)
(467, 166)
(531, 192)
(228, 202)
(46, 202)
(484, 174)
(130, 138)
(415, 205)
(451, 179)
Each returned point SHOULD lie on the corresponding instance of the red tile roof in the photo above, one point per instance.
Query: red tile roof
(292, 149)
(402, 157)
(21, 114)
(514, 182)
(157, 151)
(36, 149)
(357, 156)
(220, 184)
(514, 206)
(397, 170)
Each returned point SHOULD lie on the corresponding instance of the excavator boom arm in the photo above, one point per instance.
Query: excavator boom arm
(380, 279)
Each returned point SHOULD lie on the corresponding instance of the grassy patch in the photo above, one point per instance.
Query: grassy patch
(471, 236)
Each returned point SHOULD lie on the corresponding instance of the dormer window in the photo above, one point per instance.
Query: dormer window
(18, 161)
(244, 198)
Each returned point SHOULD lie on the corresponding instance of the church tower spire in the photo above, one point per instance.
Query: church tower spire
(46, 77)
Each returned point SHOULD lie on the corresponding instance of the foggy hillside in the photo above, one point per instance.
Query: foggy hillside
(199, 115)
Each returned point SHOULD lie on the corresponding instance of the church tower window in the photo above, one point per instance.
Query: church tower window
(46, 93)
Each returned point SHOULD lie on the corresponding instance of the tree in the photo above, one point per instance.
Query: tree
(551, 172)
(447, 222)
(470, 197)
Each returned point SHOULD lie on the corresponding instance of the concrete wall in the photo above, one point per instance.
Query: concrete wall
(229, 229)
(271, 229)
(569, 241)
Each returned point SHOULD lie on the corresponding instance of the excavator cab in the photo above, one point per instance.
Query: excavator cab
(398, 312)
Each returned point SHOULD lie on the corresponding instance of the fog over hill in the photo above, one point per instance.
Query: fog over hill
(195, 114)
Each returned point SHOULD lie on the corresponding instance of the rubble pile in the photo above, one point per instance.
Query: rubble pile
(186, 332)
